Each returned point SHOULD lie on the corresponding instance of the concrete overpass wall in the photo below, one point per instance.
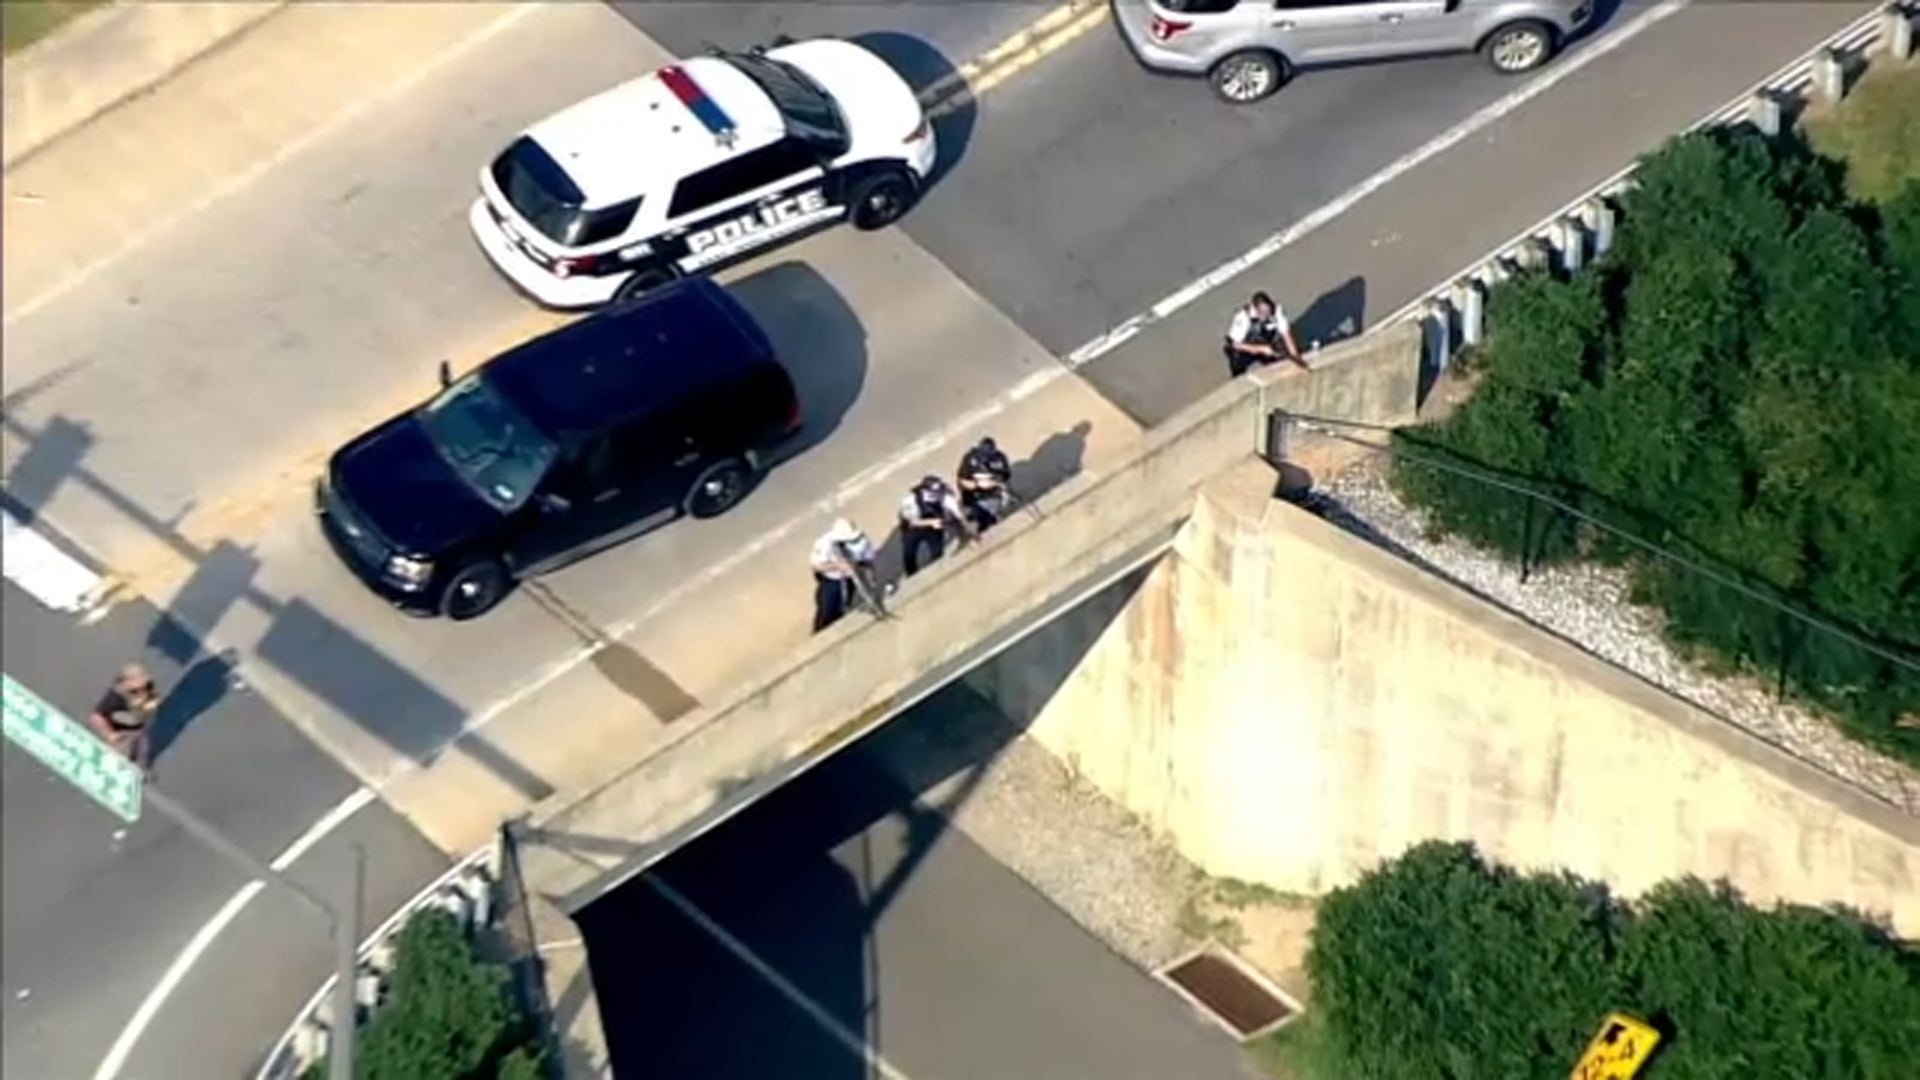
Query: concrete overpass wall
(1291, 705)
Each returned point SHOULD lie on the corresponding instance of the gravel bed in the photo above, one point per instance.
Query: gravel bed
(1588, 605)
(1080, 850)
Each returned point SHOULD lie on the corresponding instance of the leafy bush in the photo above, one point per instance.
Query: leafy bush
(1738, 381)
(1439, 966)
(449, 1015)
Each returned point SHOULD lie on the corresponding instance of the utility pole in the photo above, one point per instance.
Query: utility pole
(343, 921)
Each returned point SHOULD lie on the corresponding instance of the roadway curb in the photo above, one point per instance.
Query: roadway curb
(104, 58)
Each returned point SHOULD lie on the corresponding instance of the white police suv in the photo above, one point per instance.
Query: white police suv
(698, 164)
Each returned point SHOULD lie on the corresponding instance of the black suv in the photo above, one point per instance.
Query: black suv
(563, 446)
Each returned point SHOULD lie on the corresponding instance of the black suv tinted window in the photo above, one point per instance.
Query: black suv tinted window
(737, 176)
(541, 192)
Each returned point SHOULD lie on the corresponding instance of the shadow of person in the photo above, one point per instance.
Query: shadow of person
(1058, 458)
(200, 688)
(1337, 315)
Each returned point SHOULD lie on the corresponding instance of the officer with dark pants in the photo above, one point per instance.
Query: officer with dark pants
(984, 475)
(924, 514)
(1259, 334)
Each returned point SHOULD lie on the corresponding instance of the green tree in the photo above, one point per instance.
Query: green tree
(1439, 966)
(448, 1015)
(1736, 382)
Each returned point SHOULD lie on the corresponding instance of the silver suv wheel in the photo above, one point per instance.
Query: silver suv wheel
(1246, 77)
(1519, 47)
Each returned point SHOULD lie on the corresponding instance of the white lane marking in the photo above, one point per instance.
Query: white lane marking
(204, 938)
(176, 972)
(1300, 229)
(267, 163)
(854, 1043)
(316, 832)
(42, 570)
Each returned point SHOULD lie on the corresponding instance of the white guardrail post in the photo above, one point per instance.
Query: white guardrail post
(465, 891)
(1454, 314)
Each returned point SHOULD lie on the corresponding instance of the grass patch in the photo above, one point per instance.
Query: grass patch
(1295, 1052)
(1876, 131)
(23, 22)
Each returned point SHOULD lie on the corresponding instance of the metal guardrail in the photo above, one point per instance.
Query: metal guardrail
(466, 891)
(1454, 314)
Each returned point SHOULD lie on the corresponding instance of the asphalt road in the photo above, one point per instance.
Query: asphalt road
(227, 346)
(94, 916)
(864, 912)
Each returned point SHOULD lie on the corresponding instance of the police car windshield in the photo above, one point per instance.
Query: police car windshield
(810, 112)
(488, 442)
(540, 191)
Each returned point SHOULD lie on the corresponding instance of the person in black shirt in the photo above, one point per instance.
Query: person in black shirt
(124, 716)
(983, 476)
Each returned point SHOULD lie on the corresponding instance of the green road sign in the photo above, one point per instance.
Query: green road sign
(73, 751)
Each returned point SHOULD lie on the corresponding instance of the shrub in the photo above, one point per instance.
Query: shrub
(449, 1015)
(1439, 965)
(1737, 381)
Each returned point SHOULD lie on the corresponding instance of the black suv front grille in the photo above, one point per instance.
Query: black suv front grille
(353, 530)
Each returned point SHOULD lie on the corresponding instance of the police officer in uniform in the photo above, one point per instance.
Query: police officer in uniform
(1260, 334)
(984, 476)
(840, 553)
(924, 515)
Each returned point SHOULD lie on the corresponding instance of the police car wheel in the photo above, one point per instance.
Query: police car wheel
(1247, 76)
(641, 282)
(880, 200)
(1519, 47)
(719, 488)
(474, 590)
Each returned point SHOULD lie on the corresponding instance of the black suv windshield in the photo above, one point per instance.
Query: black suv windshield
(811, 114)
(489, 442)
(541, 191)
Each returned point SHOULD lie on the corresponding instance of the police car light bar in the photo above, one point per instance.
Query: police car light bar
(705, 109)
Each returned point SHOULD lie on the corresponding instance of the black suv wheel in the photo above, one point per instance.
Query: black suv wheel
(641, 282)
(881, 199)
(474, 590)
(719, 488)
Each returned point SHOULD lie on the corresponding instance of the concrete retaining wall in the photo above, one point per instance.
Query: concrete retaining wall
(1290, 705)
(108, 56)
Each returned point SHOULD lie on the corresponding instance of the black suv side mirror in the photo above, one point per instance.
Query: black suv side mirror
(446, 374)
(551, 503)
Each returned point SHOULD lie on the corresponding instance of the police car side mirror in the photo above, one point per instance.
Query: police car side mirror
(446, 374)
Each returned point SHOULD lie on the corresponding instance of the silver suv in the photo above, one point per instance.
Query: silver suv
(1248, 48)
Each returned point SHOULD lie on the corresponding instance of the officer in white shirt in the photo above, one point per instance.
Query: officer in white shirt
(1260, 334)
(840, 553)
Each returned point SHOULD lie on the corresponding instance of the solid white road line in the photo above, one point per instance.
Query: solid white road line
(366, 106)
(204, 938)
(1304, 227)
(855, 1044)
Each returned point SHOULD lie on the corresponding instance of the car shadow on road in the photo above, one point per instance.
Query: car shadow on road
(934, 75)
(818, 338)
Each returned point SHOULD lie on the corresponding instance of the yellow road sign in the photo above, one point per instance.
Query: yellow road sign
(1618, 1052)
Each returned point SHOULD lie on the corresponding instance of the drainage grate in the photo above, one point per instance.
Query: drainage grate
(1231, 993)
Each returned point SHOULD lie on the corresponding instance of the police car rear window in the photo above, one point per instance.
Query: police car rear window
(541, 192)
(1214, 7)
